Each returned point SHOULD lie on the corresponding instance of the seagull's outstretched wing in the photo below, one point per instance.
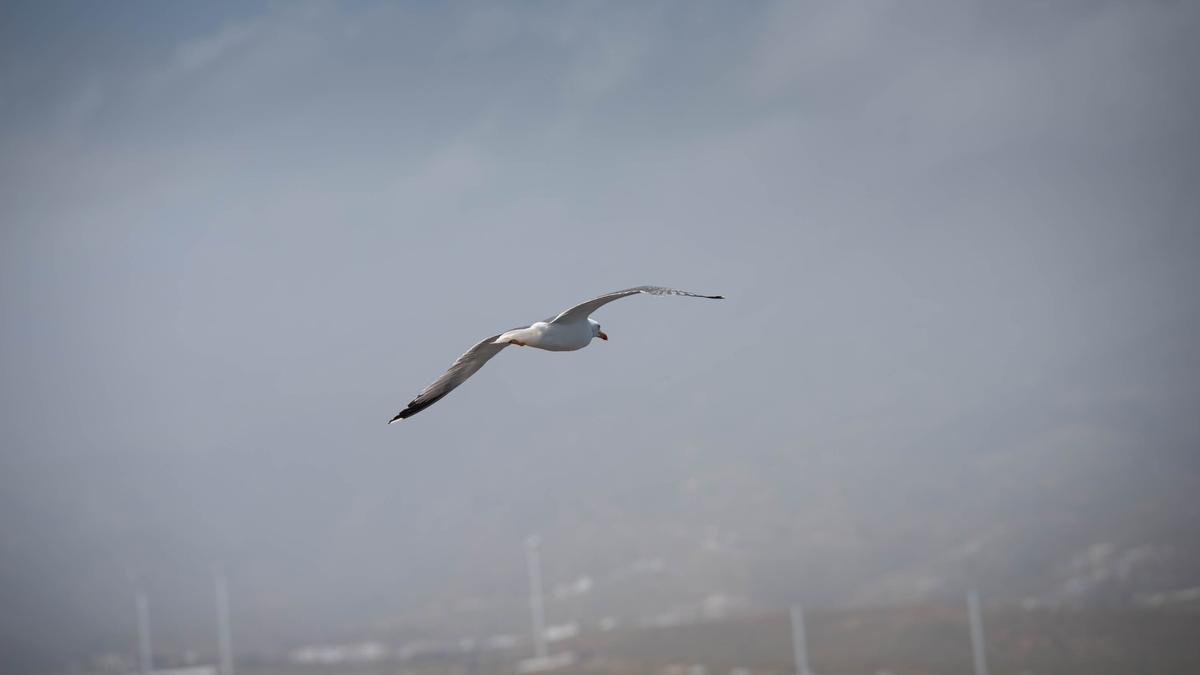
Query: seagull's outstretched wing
(585, 309)
(464, 367)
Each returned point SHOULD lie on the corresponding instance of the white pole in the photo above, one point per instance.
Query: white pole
(143, 627)
(224, 635)
(799, 641)
(977, 648)
(535, 597)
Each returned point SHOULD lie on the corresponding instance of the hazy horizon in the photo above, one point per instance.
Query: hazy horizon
(958, 242)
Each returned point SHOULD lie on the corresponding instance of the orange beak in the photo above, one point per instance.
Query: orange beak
(602, 335)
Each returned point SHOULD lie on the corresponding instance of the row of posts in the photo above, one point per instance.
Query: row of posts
(537, 609)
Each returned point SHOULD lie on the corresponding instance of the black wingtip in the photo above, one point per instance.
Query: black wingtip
(414, 408)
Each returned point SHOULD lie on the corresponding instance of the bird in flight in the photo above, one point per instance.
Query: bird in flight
(570, 330)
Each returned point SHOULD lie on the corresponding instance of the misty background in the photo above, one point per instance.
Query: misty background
(959, 243)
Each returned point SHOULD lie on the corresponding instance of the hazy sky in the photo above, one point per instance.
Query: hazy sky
(238, 237)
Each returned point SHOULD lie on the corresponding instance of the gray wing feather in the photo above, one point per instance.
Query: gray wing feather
(585, 309)
(463, 368)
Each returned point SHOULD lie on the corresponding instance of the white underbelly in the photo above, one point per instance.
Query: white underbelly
(561, 337)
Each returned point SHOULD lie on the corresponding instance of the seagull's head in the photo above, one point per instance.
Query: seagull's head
(596, 332)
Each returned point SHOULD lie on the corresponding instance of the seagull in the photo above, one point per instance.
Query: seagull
(570, 330)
